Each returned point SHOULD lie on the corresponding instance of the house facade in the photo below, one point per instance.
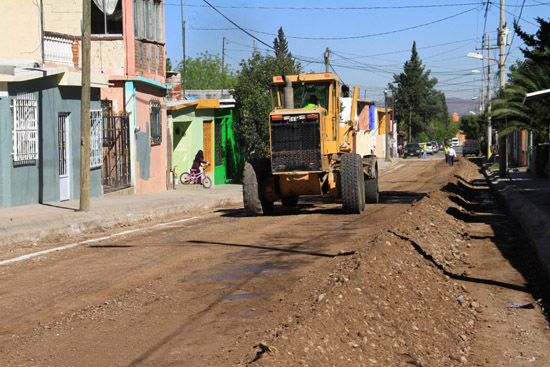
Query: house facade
(206, 124)
(40, 115)
(128, 48)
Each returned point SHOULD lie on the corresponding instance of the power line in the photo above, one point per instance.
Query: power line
(236, 25)
(338, 38)
(334, 8)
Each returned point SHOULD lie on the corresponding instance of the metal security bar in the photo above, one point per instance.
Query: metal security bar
(96, 145)
(25, 127)
(156, 123)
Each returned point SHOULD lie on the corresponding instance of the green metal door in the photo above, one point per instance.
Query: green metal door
(220, 136)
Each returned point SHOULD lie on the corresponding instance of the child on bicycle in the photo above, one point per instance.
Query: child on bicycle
(195, 168)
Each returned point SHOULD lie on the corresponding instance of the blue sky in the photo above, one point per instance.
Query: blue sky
(369, 40)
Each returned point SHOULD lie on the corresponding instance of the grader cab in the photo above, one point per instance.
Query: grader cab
(312, 150)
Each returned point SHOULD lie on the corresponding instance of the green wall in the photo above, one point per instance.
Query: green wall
(187, 138)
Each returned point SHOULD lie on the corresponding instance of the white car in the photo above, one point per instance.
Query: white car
(455, 142)
(428, 146)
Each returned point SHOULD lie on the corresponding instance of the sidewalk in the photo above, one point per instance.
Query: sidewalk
(527, 198)
(40, 220)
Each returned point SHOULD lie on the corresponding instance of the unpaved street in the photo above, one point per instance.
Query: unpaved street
(423, 278)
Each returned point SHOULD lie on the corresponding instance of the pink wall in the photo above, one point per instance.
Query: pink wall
(150, 158)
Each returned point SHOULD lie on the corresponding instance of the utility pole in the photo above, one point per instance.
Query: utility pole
(489, 127)
(503, 158)
(223, 65)
(85, 110)
(481, 99)
(387, 126)
(183, 46)
(327, 57)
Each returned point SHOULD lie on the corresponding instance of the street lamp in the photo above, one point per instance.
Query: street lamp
(479, 56)
(503, 164)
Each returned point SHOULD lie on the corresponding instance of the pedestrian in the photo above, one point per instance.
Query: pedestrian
(452, 155)
(424, 151)
(197, 162)
(446, 149)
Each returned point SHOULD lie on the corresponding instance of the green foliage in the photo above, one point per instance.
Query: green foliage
(205, 72)
(474, 126)
(252, 95)
(418, 104)
(509, 113)
(168, 64)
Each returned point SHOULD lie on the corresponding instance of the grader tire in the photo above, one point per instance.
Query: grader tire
(253, 199)
(353, 192)
(372, 194)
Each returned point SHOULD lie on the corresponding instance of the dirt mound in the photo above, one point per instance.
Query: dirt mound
(395, 302)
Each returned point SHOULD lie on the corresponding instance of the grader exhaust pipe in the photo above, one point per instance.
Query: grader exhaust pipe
(289, 93)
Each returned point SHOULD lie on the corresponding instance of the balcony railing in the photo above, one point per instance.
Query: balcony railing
(58, 50)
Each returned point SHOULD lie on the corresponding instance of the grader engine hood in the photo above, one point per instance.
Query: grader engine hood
(296, 140)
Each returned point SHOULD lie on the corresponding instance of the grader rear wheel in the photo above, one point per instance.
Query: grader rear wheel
(253, 197)
(372, 194)
(353, 192)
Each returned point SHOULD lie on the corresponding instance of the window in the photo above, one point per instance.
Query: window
(25, 127)
(108, 122)
(156, 122)
(114, 17)
(148, 20)
(96, 146)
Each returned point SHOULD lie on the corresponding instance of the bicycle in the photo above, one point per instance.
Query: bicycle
(187, 178)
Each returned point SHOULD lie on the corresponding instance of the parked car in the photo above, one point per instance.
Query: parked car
(471, 147)
(435, 146)
(412, 149)
(455, 142)
(429, 146)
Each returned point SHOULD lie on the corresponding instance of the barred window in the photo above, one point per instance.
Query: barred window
(96, 145)
(25, 127)
(108, 122)
(156, 122)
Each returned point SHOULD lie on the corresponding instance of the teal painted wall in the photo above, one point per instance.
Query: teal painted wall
(37, 181)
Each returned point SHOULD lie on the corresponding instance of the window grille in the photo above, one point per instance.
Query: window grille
(96, 145)
(25, 127)
(156, 122)
(108, 122)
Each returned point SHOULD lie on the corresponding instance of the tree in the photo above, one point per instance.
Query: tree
(252, 95)
(418, 103)
(168, 64)
(474, 126)
(284, 62)
(531, 75)
(205, 72)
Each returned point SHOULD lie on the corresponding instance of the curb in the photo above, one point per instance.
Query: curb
(71, 222)
(534, 222)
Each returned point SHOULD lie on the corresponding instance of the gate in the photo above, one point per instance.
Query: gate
(116, 153)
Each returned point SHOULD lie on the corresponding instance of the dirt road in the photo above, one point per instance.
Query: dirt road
(424, 278)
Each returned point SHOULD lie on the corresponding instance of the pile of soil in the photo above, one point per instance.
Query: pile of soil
(397, 301)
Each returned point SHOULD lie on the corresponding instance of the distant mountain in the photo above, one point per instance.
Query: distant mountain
(462, 106)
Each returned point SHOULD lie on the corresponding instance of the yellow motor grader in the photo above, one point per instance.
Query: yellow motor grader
(312, 148)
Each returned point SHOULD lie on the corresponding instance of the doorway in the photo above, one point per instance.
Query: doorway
(64, 166)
